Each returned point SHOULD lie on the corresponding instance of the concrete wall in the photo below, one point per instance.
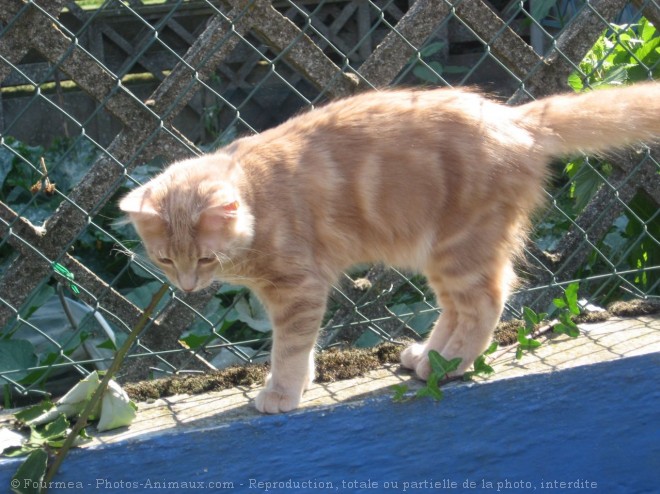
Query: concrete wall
(595, 426)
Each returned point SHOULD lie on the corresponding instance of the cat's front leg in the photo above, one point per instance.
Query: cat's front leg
(296, 311)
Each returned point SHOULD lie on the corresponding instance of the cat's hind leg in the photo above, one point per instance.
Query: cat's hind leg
(471, 309)
(414, 357)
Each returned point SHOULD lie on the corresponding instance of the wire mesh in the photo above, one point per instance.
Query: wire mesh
(98, 96)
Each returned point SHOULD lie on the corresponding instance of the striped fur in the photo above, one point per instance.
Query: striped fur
(439, 181)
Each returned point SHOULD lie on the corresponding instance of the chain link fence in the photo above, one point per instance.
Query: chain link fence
(97, 96)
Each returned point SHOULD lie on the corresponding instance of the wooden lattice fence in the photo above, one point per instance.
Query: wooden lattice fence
(209, 70)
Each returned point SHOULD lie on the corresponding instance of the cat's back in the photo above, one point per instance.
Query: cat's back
(386, 123)
(385, 111)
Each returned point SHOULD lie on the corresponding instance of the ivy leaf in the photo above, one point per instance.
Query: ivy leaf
(566, 326)
(525, 342)
(441, 366)
(571, 296)
(400, 391)
(522, 336)
(491, 349)
(532, 318)
(432, 390)
(480, 365)
(30, 474)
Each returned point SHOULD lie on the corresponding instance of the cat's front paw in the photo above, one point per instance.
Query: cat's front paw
(273, 401)
(415, 358)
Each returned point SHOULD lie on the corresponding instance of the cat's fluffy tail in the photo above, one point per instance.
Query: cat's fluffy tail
(596, 121)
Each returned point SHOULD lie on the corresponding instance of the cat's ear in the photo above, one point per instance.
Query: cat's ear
(215, 217)
(230, 209)
(138, 202)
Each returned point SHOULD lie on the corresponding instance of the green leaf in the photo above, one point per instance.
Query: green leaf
(541, 8)
(646, 30)
(617, 75)
(30, 474)
(532, 343)
(522, 335)
(492, 348)
(28, 414)
(566, 326)
(481, 367)
(17, 355)
(400, 391)
(519, 353)
(532, 318)
(525, 342)
(575, 81)
(571, 296)
(432, 390)
(430, 72)
(431, 49)
(440, 366)
(51, 434)
(647, 49)
(107, 345)
(250, 311)
(194, 341)
(142, 295)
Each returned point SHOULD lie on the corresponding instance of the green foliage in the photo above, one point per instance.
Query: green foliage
(568, 307)
(440, 370)
(30, 474)
(525, 339)
(480, 365)
(623, 55)
(98, 248)
(16, 355)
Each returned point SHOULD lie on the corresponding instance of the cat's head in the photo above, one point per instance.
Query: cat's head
(193, 225)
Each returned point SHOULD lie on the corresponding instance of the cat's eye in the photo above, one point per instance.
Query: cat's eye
(165, 260)
(206, 260)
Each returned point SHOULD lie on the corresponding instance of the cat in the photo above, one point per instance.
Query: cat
(441, 181)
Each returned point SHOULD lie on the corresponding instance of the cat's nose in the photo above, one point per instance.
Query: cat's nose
(187, 283)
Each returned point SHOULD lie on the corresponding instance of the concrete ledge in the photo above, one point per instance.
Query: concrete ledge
(576, 410)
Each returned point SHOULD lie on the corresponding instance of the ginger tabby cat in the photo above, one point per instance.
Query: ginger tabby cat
(439, 181)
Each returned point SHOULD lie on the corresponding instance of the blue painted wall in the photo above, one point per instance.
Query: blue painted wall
(596, 426)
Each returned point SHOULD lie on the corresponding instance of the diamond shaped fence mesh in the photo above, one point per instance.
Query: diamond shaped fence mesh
(97, 96)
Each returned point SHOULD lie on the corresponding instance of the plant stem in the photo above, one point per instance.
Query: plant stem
(98, 394)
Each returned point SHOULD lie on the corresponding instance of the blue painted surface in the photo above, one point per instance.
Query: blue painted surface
(597, 425)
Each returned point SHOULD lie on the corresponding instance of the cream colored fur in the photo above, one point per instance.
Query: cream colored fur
(440, 181)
